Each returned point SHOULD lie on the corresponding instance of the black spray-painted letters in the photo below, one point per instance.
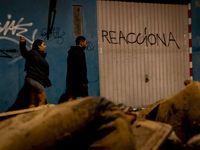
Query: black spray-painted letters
(111, 37)
(90, 46)
(55, 35)
(6, 53)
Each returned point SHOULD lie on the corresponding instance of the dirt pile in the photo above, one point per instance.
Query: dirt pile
(182, 111)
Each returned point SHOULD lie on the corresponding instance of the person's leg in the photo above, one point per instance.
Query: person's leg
(38, 95)
(71, 97)
(41, 98)
(71, 91)
(34, 100)
(78, 91)
(85, 92)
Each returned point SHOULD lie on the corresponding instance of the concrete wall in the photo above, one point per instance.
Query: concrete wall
(29, 18)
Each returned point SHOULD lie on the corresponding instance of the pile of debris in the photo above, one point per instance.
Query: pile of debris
(181, 112)
(97, 123)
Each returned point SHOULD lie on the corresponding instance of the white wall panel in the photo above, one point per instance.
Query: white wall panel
(124, 64)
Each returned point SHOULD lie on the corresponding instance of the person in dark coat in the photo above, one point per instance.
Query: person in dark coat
(77, 82)
(37, 71)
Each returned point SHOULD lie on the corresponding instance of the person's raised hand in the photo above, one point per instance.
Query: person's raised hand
(22, 39)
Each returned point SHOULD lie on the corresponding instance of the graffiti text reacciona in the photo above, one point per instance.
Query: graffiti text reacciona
(148, 39)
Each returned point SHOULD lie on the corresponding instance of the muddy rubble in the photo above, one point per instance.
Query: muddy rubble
(181, 111)
(97, 123)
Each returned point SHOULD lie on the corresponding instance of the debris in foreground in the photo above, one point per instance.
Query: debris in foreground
(97, 123)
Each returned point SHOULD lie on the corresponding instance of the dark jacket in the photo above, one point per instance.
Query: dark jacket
(36, 66)
(76, 67)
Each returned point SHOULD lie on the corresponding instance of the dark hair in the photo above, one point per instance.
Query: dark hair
(80, 39)
(36, 43)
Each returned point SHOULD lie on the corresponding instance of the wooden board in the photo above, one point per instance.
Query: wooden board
(9, 114)
(150, 135)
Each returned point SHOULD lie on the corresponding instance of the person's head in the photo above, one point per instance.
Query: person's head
(81, 41)
(39, 45)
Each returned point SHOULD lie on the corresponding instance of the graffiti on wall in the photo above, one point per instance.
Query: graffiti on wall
(90, 46)
(113, 38)
(16, 29)
(5, 53)
(55, 35)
